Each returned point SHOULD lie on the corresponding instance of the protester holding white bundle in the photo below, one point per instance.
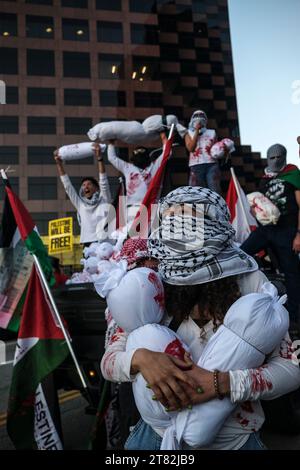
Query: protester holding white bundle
(204, 274)
(78, 151)
(92, 201)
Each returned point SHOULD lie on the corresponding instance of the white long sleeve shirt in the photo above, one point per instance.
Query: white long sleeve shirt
(91, 216)
(278, 376)
(206, 139)
(137, 180)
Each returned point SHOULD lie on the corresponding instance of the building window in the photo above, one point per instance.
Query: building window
(40, 155)
(9, 155)
(39, 27)
(14, 182)
(9, 125)
(40, 62)
(188, 68)
(41, 125)
(8, 24)
(75, 30)
(112, 98)
(12, 95)
(144, 34)
(112, 5)
(9, 60)
(74, 3)
(109, 31)
(145, 68)
(77, 97)
(41, 96)
(41, 219)
(77, 64)
(111, 66)
(77, 126)
(147, 100)
(217, 68)
(142, 6)
(41, 187)
(40, 2)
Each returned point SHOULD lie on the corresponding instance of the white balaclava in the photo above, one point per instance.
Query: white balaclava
(198, 116)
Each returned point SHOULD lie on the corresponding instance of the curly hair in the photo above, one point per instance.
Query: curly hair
(212, 298)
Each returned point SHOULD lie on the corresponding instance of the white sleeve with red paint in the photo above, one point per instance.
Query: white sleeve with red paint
(116, 361)
(279, 375)
(117, 162)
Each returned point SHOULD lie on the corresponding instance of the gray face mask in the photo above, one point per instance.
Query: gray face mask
(276, 156)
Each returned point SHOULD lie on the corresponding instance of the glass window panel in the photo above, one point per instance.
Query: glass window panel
(147, 100)
(145, 68)
(41, 125)
(9, 155)
(39, 27)
(8, 24)
(111, 66)
(40, 62)
(12, 95)
(9, 124)
(144, 34)
(76, 64)
(75, 30)
(109, 31)
(113, 5)
(77, 126)
(74, 3)
(148, 6)
(42, 188)
(8, 60)
(112, 98)
(37, 155)
(77, 97)
(40, 95)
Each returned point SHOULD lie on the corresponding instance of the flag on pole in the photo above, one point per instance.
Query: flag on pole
(41, 348)
(18, 235)
(153, 193)
(240, 214)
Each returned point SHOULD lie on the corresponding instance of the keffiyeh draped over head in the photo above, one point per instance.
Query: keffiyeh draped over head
(196, 246)
(133, 250)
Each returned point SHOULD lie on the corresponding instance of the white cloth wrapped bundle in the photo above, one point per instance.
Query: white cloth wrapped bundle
(253, 326)
(265, 211)
(78, 151)
(154, 124)
(219, 149)
(131, 132)
(90, 265)
(134, 298)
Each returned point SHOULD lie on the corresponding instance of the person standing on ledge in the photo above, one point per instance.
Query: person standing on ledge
(92, 200)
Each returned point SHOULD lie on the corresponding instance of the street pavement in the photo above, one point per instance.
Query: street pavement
(77, 425)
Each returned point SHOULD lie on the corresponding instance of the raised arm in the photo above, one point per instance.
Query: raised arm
(103, 179)
(69, 188)
(117, 162)
(191, 142)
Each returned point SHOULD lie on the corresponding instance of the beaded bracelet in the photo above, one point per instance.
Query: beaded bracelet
(216, 385)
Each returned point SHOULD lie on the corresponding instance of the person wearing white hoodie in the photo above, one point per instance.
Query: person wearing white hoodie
(92, 202)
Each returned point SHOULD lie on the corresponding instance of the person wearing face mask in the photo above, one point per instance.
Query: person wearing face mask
(138, 173)
(204, 170)
(92, 201)
(281, 184)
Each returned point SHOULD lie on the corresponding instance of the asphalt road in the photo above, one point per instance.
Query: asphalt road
(77, 425)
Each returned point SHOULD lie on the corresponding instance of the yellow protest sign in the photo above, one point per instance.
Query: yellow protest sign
(60, 235)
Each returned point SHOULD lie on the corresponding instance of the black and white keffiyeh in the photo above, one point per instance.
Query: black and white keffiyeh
(195, 240)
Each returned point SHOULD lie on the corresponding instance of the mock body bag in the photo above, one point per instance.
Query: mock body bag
(78, 151)
(253, 326)
(219, 149)
(265, 210)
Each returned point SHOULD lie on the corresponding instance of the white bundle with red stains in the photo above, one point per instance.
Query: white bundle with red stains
(134, 298)
(252, 328)
(133, 132)
(265, 211)
(220, 149)
(78, 151)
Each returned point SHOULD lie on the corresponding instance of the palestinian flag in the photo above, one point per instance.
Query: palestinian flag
(41, 348)
(152, 195)
(18, 237)
(291, 174)
(241, 218)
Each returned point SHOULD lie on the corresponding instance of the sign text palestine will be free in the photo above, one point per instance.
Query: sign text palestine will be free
(60, 235)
